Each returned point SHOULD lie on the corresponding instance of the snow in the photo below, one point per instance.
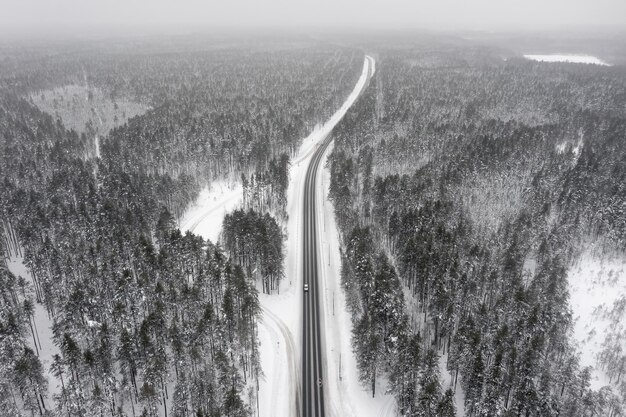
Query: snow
(205, 216)
(96, 141)
(279, 352)
(571, 58)
(595, 285)
(93, 324)
(43, 330)
(564, 146)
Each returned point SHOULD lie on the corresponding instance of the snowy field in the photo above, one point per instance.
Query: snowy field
(81, 105)
(597, 291)
(571, 58)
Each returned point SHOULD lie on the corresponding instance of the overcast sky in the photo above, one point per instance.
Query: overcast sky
(77, 16)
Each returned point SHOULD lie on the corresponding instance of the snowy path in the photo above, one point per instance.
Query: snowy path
(206, 215)
(278, 347)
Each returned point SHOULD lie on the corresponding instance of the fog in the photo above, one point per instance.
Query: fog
(113, 16)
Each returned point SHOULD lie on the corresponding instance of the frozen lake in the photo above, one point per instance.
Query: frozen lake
(572, 58)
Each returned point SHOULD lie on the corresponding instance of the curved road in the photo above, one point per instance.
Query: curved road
(312, 352)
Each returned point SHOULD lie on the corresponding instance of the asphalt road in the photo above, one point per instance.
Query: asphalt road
(312, 353)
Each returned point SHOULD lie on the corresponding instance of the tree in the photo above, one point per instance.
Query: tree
(30, 381)
(446, 406)
(368, 351)
(430, 388)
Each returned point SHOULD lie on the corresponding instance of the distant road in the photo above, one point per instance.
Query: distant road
(312, 349)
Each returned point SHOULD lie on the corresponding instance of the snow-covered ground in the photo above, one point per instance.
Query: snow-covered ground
(571, 58)
(447, 381)
(205, 216)
(596, 286)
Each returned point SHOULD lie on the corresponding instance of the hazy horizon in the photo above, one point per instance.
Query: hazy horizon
(75, 17)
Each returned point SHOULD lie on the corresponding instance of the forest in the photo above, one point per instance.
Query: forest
(465, 186)
(466, 182)
(146, 320)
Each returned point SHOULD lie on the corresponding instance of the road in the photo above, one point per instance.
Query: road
(312, 347)
(312, 357)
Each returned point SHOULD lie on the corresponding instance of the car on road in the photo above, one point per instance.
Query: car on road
(306, 287)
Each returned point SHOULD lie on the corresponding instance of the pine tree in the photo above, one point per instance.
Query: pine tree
(430, 387)
(446, 407)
